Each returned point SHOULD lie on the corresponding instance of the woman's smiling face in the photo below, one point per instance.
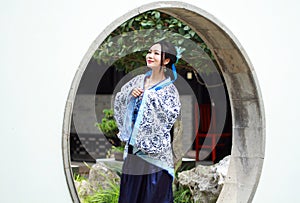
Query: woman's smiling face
(153, 57)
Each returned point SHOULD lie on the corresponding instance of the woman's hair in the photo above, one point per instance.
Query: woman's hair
(168, 51)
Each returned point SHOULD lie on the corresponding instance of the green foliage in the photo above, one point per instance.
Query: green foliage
(79, 178)
(118, 149)
(108, 124)
(126, 47)
(110, 194)
(182, 195)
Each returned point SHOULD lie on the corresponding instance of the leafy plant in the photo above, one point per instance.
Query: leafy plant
(108, 192)
(105, 195)
(79, 178)
(182, 195)
(125, 48)
(118, 149)
(108, 124)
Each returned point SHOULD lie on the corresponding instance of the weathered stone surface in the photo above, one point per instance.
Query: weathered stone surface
(244, 171)
(186, 139)
(191, 17)
(83, 188)
(218, 40)
(248, 142)
(247, 113)
(241, 180)
(87, 111)
(236, 193)
(231, 61)
(177, 142)
(205, 182)
(241, 86)
(99, 176)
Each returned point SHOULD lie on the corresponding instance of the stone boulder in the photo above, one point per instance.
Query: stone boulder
(205, 182)
(99, 176)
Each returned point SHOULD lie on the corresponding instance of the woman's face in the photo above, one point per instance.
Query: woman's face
(153, 56)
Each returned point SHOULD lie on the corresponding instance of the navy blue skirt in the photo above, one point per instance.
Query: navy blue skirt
(142, 182)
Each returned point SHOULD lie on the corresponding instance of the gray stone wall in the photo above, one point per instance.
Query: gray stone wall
(244, 94)
(88, 110)
(187, 118)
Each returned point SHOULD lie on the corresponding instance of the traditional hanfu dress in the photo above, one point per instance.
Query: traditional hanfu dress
(145, 123)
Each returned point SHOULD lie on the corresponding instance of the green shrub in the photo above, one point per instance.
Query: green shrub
(108, 195)
(182, 195)
(108, 124)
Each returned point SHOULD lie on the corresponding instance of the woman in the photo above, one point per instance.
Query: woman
(145, 110)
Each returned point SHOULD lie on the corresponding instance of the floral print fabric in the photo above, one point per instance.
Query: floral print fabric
(159, 110)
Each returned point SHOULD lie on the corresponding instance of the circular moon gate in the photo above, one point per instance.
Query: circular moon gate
(248, 122)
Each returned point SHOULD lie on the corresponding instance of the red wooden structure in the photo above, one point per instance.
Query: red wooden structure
(207, 130)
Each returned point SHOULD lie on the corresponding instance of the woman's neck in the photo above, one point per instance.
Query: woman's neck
(157, 76)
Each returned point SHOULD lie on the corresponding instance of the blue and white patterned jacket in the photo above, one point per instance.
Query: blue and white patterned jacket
(158, 112)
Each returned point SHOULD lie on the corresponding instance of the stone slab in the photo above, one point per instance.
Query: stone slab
(241, 86)
(248, 142)
(247, 113)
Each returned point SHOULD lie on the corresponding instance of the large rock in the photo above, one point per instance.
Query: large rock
(205, 182)
(83, 188)
(99, 176)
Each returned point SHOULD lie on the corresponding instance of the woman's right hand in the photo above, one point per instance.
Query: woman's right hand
(137, 92)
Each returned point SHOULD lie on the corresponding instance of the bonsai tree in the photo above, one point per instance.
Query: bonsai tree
(109, 128)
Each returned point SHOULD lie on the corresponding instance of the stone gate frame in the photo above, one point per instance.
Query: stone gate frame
(248, 119)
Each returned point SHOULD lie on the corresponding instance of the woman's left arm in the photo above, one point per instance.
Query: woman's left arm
(161, 113)
(171, 104)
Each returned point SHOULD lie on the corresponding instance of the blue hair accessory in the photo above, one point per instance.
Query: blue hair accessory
(179, 52)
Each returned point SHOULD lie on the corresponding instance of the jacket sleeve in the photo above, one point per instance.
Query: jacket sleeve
(122, 100)
(171, 106)
(161, 112)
